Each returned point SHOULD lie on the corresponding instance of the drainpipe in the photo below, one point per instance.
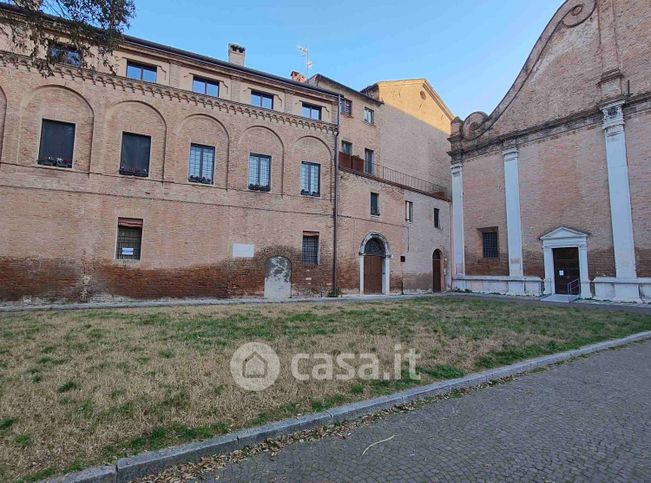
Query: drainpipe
(336, 194)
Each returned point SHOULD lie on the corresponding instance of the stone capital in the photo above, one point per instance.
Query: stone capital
(613, 113)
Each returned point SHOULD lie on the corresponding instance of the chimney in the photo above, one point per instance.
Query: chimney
(236, 54)
(297, 77)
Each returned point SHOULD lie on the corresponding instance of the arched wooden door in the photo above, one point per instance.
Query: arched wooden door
(374, 254)
(437, 271)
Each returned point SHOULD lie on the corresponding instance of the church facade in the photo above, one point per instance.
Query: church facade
(551, 191)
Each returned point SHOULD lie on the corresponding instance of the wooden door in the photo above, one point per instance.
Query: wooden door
(436, 271)
(566, 270)
(373, 274)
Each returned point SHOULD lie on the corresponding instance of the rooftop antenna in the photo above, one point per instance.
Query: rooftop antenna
(308, 63)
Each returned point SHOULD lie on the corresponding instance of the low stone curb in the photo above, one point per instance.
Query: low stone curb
(153, 462)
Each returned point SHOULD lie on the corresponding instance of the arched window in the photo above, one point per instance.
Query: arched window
(436, 255)
(374, 247)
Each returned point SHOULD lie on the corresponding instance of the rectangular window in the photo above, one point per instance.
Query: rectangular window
(310, 248)
(129, 238)
(134, 160)
(64, 55)
(201, 164)
(259, 172)
(347, 148)
(311, 111)
(369, 116)
(489, 244)
(141, 72)
(260, 99)
(57, 144)
(409, 211)
(310, 179)
(346, 107)
(437, 218)
(368, 161)
(375, 204)
(205, 86)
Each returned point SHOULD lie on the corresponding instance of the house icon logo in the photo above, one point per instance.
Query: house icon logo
(255, 366)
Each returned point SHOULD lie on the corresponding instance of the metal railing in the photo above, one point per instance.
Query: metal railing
(574, 285)
(384, 173)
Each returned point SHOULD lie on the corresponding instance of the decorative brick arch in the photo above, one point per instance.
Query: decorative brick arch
(205, 130)
(56, 103)
(138, 118)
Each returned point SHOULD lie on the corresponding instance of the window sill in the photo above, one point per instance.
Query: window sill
(202, 181)
(310, 195)
(375, 215)
(54, 163)
(262, 189)
(134, 173)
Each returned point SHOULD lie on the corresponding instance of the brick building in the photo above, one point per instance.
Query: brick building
(394, 186)
(551, 190)
(179, 175)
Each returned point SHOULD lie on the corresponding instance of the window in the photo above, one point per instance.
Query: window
(409, 211)
(259, 172)
(347, 148)
(260, 99)
(64, 55)
(368, 161)
(135, 154)
(369, 115)
(129, 238)
(141, 72)
(437, 218)
(489, 242)
(375, 204)
(204, 86)
(312, 112)
(57, 144)
(310, 179)
(346, 107)
(310, 248)
(201, 164)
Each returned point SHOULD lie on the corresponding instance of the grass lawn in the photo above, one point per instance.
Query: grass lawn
(81, 388)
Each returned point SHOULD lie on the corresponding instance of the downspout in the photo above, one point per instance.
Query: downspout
(334, 207)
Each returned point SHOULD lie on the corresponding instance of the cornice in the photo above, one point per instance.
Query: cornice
(168, 93)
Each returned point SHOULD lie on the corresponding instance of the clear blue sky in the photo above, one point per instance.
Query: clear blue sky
(470, 50)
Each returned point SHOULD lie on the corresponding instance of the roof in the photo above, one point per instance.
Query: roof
(224, 64)
(320, 77)
(128, 39)
(421, 81)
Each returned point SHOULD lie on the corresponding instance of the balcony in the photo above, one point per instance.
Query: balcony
(357, 165)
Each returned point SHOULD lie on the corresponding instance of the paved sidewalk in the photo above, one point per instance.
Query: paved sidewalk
(588, 420)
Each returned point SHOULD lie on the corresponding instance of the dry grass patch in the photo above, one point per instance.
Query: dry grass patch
(84, 388)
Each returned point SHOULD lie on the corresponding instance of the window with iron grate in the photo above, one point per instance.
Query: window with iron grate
(310, 249)
(489, 244)
(129, 239)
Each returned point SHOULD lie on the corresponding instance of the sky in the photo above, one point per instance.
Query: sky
(471, 51)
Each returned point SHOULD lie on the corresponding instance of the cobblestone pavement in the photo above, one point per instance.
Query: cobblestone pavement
(588, 420)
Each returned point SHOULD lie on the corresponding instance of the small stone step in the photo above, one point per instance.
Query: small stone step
(560, 298)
